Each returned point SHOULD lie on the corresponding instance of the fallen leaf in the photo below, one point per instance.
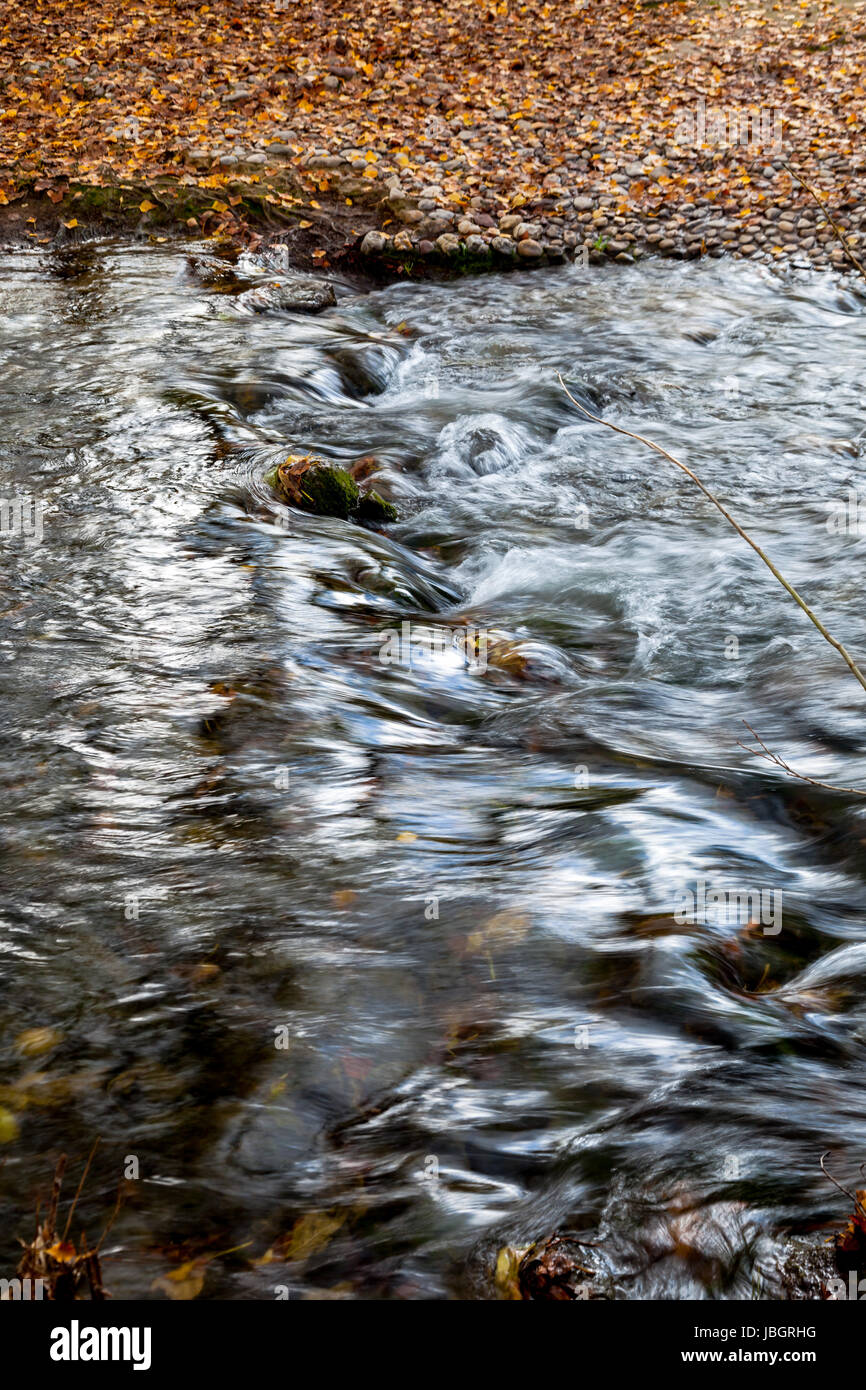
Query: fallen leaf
(9, 1127)
(184, 1283)
(311, 1232)
(34, 1041)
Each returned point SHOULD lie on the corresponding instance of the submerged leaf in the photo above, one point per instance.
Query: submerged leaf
(184, 1283)
(311, 1232)
(34, 1041)
(9, 1127)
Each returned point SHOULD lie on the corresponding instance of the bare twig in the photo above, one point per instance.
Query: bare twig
(774, 758)
(78, 1190)
(857, 1203)
(840, 237)
(51, 1219)
(812, 616)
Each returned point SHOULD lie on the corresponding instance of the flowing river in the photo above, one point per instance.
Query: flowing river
(366, 949)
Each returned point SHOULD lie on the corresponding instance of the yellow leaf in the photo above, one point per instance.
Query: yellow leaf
(72, 223)
(63, 1251)
(311, 1232)
(34, 1041)
(506, 928)
(9, 1128)
(507, 1267)
(405, 836)
(146, 205)
(219, 206)
(185, 1282)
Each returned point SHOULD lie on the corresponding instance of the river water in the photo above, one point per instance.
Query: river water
(378, 964)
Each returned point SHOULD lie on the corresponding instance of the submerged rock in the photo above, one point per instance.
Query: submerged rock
(314, 485)
(371, 507)
(560, 1268)
(808, 1269)
(210, 270)
(299, 295)
(557, 1269)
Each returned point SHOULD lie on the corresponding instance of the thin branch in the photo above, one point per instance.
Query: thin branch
(51, 1219)
(774, 758)
(813, 617)
(112, 1218)
(78, 1190)
(857, 1204)
(840, 237)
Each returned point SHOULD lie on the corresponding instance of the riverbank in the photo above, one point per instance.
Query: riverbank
(420, 142)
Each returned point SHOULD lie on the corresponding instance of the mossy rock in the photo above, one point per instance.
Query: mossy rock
(373, 508)
(322, 488)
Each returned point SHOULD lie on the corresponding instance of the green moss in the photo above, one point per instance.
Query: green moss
(373, 508)
(316, 486)
(326, 490)
(330, 491)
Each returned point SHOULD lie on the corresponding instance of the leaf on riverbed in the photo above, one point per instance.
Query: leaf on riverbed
(184, 1283)
(507, 1267)
(205, 973)
(9, 1127)
(312, 1232)
(41, 1089)
(34, 1041)
(504, 655)
(500, 932)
